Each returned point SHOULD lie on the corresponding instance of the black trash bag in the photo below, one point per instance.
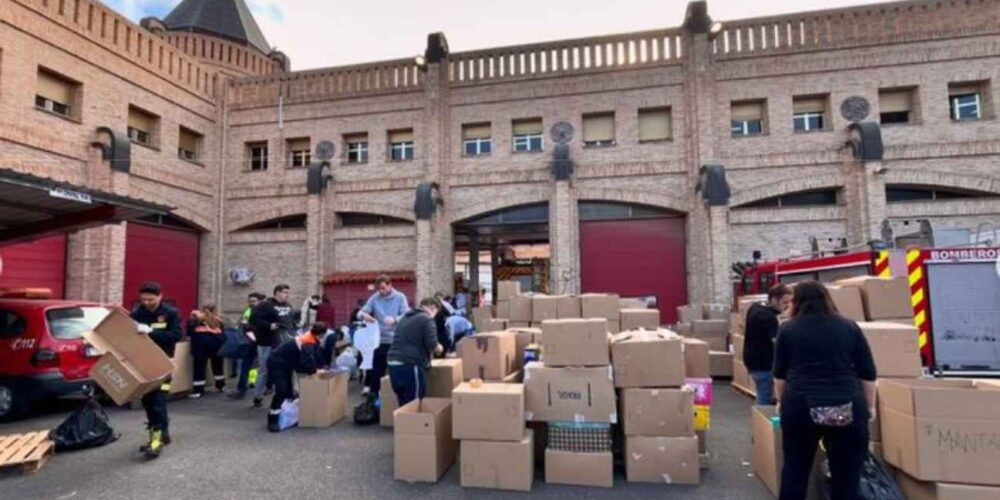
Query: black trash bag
(87, 427)
(236, 344)
(367, 413)
(876, 482)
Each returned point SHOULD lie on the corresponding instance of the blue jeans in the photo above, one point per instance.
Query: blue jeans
(763, 382)
(262, 381)
(408, 382)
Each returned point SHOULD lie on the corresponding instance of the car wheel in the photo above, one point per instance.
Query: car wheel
(12, 405)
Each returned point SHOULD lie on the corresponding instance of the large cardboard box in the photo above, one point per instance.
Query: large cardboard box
(915, 489)
(941, 429)
(443, 376)
(502, 310)
(544, 307)
(766, 458)
(670, 460)
(568, 307)
(614, 327)
(574, 394)
(488, 412)
(633, 319)
(519, 324)
(717, 311)
(696, 359)
(710, 328)
(422, 442)
(689, 313)
(499, 465)
(643, 358)
(488, 356)
(848, 301)
(322, 399)
(741, 377)
(737, 346)
(507, 290)
(596, 305)
(632, 303)
(883, 298)
(482, 313)
(388, 402)
(132, 364)
(894, 348)
(519, 309)
(579, 469)
(721, 364)
(658, 412)
(736, 324)
(575, 342)
(182, 378)
(491, 325)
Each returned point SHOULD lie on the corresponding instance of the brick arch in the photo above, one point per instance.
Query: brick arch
(373, 208)
(278, 212)
(788, 186)
(195, 220)
(924, 178)
(658, 200)
(492, 204)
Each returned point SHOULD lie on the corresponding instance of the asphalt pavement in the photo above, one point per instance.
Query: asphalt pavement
(221, 450)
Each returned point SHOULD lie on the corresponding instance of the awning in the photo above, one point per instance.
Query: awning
(32, 207)
(344, 277)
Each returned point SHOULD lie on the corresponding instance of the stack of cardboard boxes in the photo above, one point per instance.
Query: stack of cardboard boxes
(496, 450)
(657, 407)
(737, 327)
(442, 377)
(423, 447)
(710, 323)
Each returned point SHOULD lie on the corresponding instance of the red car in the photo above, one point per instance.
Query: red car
(42, 351)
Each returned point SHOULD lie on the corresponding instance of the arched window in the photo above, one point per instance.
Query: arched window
(818, 197)
(290, 222)
(359, 219)
(896, 193)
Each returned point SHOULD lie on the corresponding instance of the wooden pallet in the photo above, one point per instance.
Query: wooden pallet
(28, 451)
(750, 393)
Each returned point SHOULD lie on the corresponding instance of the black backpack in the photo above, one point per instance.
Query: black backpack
(367, 413)
(87, 427)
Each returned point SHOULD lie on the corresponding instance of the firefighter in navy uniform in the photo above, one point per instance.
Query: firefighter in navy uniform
(302, 354)
(163, 325)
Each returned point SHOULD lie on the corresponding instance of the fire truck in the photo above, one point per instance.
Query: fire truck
(955, 293)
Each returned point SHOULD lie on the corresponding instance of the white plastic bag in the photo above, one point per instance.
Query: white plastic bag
(289, 414)
(366, 340)
(348, 361)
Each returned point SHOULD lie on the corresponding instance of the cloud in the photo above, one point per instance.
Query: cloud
(268, 10)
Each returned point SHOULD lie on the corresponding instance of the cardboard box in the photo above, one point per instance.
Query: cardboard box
(748, 300)
(131, 364)
(741, 378)
(182, 378)
(670, 460)
(523, 338)
(614, 327)
(631, 303)
(512, 378)
(696, 359)
(569, 307)
(572, 394)
(443, 376)
(491, 325)
(499, 465)
(422, 442)
(736, 326)
(882, 297)
(388, 403)
(894, 348)
(737, 346)
(519, 309)
(633, 319)
(544, 307)
(487, 356)
(489, 412)
(915, 489)
(721, 363)
(689, 313)
(579, 469)
(658, 412)
(941, 429)
(596, 305)
(709, 328)
(848, 301)
(766, 457)
(507, 290)
(481, 314)
(575, 342)
(322, 399)
(518, 324)
(643, 358)
(682, 329)
(502, 310)
(717, 311)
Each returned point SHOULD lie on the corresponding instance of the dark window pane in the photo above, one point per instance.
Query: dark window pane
(813, 198)
(754, 127)
(487, 147)
(470, 148)
(908, 194)
(536, 143)
(895, 117)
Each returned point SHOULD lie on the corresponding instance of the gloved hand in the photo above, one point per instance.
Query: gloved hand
(143, 329)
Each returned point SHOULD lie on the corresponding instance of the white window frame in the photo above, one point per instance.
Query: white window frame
(522, 143)
(50, 105)
(136, 135)
(805, 116)
(599, 144)
(479, 143)
(743, 129)
(185, 154)
(300, 158)
(360, 151)
(405, 148)
(956, 106)
(260, 158)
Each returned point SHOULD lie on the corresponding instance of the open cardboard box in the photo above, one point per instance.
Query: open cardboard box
(132, 364)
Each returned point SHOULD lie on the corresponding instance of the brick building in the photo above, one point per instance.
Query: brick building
(634, 201)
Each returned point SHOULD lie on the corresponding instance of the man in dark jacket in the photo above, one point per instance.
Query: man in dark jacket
(409, 357)
(163, 325)
(271, 320)
(301, 354)
(758, 347)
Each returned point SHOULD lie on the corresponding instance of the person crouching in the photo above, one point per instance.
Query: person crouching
(302, 354)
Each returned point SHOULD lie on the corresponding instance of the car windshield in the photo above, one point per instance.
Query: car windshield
(69, 323)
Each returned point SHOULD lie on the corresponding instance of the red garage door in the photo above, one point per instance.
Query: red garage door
(35, 264)
(636, 258)
(166, 255)
(345, 289)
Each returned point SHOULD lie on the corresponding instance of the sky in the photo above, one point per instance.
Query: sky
(321, 33)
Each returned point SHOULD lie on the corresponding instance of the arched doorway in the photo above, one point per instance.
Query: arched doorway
(636, 251)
